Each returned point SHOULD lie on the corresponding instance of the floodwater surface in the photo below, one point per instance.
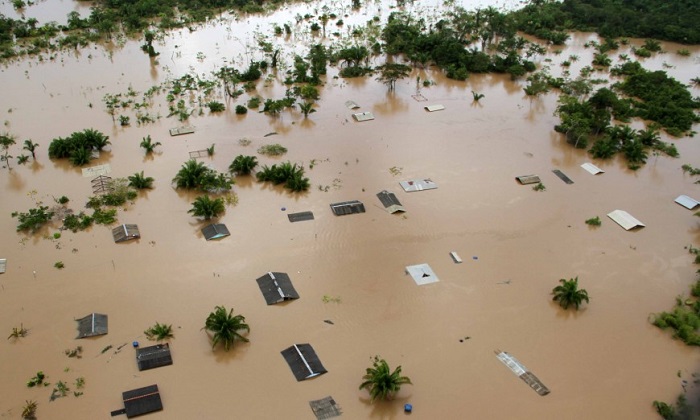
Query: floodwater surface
(604, 361)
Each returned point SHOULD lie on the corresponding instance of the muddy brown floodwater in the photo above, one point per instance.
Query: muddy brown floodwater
(605, 361)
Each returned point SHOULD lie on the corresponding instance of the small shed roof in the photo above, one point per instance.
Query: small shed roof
(153, 356)
(592, 169)
(142, 401)
(303, 361)
(3, 265)
(528, 179)
(433, 108)
(562, 176)
(215, 231)
(390, 202)
(363, 116)
(92, 325)
(97, 170)
(178, 131)
(301, 216)
(277, 287)
(325, 408)
(422, 274)
(125, 233)
(418, 185)
(351, 104)
(347, 207)
(624, 219)
(687, 202)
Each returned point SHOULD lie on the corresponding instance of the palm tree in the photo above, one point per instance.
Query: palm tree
(306, 108)
(95, 139)
(140, 182)
(204, 206)
(6, 141)
(381, 382)
(568, 293)
(190, 174)
(159, 332)
(149, 145)
(297, 183)
(225, 326)
(80, 156)
(477, 96)
(30, 147)
(243, 165)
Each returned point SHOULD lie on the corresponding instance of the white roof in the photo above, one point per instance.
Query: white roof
(418, 185)
(422, 274)
(351, 104)
(433, 108)
(98, 170)
(687, 202)
(3, 264)
(625, 219)
(592, 169)
(363, 116)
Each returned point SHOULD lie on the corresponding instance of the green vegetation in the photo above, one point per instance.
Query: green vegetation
(34, 219)
(389, 73)
(594, 221)
(196, 175)
(18, 332)
(287, 173)
(78, 147)
(225, 326)
(159, 332)
(306, 108)
(62, 199)
(684, 319)
(215, 106)
(549, 19)
(76, 352)
(381, 382)
(568, 294)
(29, 410)
(30, 147)
(207, 208)
(59, 265)
(272, 150)
(76, 222)
(140, 182)
(148, 145)
(241, 109)
(539, 187)
(6, 141)
(680, 411)
(243, 165)
(38, 380)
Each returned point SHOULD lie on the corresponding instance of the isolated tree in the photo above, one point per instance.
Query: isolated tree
(477, 96)
(243, 165)
(6, 141)
(30, 147)
(159, 332)
(148, 144)
(391, 72)
(381, 382)
(206, 207)
(140, 182)
(568, 293)
(224, 327)
(306, 108)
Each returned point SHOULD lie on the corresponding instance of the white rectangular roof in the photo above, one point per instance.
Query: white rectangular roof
(3, 264)
(98, 170)
(624, 219)
(687, 202)
(418, 185)
(592, 169)
(363, 116)
(422, 274)
(433, 108)
(351, 104)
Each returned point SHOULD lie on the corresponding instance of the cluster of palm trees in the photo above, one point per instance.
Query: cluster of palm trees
(78, 147)
(287, 173)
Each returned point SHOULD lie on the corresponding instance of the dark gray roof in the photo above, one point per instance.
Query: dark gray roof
(300, 217)
(153, 356)
(92, 325)
(215, 231)
(325, 408)
(347, 207)
(277, 287)
(125, 232)
(562, 176)
(390, 202)
(142, 401)
(303, 361)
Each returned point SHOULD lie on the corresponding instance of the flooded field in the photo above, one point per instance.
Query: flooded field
(604, 361)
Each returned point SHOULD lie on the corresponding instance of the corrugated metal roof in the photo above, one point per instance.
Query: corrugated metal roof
(351, 104)
(142, 401)
(178, 131)
(521, 371)
(456, 258)
(153, 356)
(625, 219)
(215, 231)
(433, 108)
(325, 408)
(276, 287)
(528, 179)
(92, 325)
(303, 361)
(3, 265)
(592, 169)
(422, 274)
(390, 202)
(363, 116)
(418, 185)
(347, 207)
(562, 176)
(97, 170)
(125, 232)
(301, 216)
(687, 202)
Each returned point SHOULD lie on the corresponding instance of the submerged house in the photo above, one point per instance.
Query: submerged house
(125, 233)
(92, 325)
(140, 401)
(347, 207)
(390, 202)
(303, 361)
(152, 357)
(215, 231)
(276, 288)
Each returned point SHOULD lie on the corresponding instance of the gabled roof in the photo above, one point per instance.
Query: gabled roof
(347, 207)
(92, 325)
(142, 401)
(592, 169)
(422, 274)
(215, 231)
(123, 233)
(351, 104)
(303, 361)
(363, 116)
(528, 179)
(276, 287)
(178, 131)
(301, 216)
(390, 202)
(153, 356)
(433, 108)
(418, 185)
(687, 202)
(3, 265)
(625, 219)
(562, 176)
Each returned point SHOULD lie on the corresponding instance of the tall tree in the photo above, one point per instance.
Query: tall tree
(391, 72)
(243, 165)
(206, 207)
(568, 293)
(381, 382)
(30, 147)
(148, 145)
(6, 141)
(224, 327)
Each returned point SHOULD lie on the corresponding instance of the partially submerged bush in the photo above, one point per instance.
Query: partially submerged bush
(272, 150)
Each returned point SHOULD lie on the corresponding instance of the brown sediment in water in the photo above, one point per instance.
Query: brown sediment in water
(605, 361)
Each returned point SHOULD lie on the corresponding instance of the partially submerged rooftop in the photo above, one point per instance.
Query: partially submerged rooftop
(152, 357)
(390, 202)
(276, 287)
(215, 231)
(624, 219)
(347, 207)
(418, 185)
(303, 361)
(92, 325)
(422, 274)
(140, 401)
(123, 233)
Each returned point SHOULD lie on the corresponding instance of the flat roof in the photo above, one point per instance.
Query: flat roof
(422, 274)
